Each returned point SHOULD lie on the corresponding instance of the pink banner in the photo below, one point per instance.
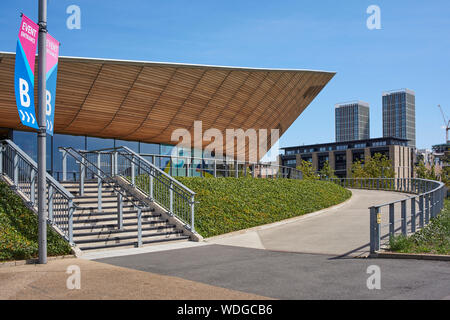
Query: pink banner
(28, 35)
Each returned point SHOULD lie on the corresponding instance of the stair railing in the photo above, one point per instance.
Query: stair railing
(177, 199)
(20, 171)
(94, 167)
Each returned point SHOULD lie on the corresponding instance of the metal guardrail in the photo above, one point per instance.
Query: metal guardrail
(157, 185)
(91, 163)
(403, 216)
(203, 167)
(21, 171)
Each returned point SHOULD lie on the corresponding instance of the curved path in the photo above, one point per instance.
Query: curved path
(342, 230)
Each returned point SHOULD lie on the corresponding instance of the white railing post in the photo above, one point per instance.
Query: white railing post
(120, 210)
(132, 171)
(82, 176)
(70, 221)
(171, 197)
(33, 187)
(64, 165)
(139, 216)
(16, 169)
(99, 184)
(50, 202)
(192, 213)
(151, 184)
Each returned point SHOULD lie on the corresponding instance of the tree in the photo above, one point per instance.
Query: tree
(307, 170)
(378, 166)
(327, 171)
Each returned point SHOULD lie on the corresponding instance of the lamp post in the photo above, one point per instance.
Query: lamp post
(42, 170)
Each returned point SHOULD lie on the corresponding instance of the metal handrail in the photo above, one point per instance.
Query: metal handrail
(105, 177)
(175, 197)
(21, 171)
(427, 203)
(295, 173)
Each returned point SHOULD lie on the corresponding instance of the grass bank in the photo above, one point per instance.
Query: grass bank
(231, 204)
(434, 238)
(19, 230)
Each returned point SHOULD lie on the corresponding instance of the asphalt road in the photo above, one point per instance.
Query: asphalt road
(289, 275)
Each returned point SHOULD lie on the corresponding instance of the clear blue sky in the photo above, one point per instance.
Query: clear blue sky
(412, 50)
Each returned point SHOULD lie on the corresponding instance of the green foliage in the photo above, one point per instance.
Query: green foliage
(19, 230)
(231, 204)
(423, 172)
(434, 238)
(327, 172)
(308, 171)
(378, 166)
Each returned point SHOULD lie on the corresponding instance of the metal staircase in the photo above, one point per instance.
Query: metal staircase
(124, 202)
(94, 229)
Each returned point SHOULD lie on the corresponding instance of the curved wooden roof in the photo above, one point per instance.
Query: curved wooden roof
(146, 101)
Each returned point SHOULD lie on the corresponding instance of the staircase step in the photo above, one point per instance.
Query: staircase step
(125, 231)
(129, 236)
(114, 225)
(131, 243)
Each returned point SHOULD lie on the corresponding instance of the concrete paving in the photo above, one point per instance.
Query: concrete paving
(286, 275)
(103, 281)
(341, 231)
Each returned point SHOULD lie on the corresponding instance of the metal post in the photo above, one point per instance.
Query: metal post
(192, 213)
(421, 216)
(70, 222)
(215, 168)
(427, 208)
(171, 197)
(404, 222)
(391, 220)
(236, 169)
(139, 213)
(82, 176)
(42, 209)
(120, 211)
(133, 174)
(16, 169)
(64, 165)
(116, 163)
(151, 184)
(413, 215)
(50, 202)
(374, 230)
(33, 187)
(99, 184)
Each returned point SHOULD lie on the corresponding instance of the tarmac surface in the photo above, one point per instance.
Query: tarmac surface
(342, 230)
(287, 275)
(317, 256)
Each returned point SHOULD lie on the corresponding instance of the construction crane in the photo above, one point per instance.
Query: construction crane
(446, 124)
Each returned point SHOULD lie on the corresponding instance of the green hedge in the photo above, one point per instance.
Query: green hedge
(19, 230)
(231, 204)
(434, 238)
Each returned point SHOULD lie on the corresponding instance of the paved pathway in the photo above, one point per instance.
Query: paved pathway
(342, 230)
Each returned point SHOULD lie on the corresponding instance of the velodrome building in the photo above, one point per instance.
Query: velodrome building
(103, 103)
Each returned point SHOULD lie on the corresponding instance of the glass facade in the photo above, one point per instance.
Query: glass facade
(27, 141)
(399, 115)
(352, 121)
